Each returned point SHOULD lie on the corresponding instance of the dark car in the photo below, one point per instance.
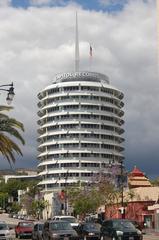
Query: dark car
(71, 219)
(58, 230)
(24, 229)
(137, 225)
(88, 230)
(123, 229)
(37, 231)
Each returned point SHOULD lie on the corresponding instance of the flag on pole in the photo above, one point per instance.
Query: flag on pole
(90, 51)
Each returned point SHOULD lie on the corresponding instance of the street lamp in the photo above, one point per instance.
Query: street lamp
(122, 190)
(121, 181)
(65, 195)
(10, 91)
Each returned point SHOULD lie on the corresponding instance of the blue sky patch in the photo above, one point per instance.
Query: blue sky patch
(88, 5)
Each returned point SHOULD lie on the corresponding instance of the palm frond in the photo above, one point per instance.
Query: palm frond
(8, 148)
(5, 108)
(10, 126)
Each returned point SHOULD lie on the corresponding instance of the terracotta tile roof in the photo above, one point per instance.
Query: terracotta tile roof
(137, 178)
(136, 172)
(144, 194)
(140, 183)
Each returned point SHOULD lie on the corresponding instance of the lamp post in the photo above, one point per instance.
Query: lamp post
(10, 89)
(122, 190)
(65, 195)
(120, 186)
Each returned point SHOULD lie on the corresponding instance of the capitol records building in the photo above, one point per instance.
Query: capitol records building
(80, 129)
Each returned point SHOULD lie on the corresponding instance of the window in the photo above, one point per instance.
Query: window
(107, 90)
(89, 88)
(4, 226)
(71, 88)
(36, 227)
(53, 90)
(46, 225)
(53, 109)
(61, 226)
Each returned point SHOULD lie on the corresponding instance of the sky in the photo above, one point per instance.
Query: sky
(37, 40)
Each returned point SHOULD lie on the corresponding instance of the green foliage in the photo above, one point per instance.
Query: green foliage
(33, 188)
(32, 200)
(9, 127)
(12, 186)
(155, 182)
(37, 207)
(87, 198)
(86, 203)
(10, 190)
(3, 199)
(15, 207)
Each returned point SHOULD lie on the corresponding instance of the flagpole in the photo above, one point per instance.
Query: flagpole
(157, 6)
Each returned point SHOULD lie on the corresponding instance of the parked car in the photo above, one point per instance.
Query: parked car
(138, 226)
(71, 219)
(37, 231)
(122, 229)
(6, 232)
(59, 230)
(88, 230)
(24, 229)
(15, 215)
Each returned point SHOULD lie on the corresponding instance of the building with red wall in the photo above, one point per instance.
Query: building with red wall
(139, 198)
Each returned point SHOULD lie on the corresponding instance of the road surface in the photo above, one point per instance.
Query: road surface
(12, 221)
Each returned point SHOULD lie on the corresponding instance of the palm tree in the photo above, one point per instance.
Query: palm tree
(9, 127)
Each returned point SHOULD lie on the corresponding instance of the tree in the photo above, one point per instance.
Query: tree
(3, 200)
(15, 207)
(9, 127)
(155, 182)
(32, 200)
(87, 198)
(10, 190)
(37, 206)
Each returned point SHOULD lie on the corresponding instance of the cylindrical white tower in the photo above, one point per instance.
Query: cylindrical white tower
(80, 129)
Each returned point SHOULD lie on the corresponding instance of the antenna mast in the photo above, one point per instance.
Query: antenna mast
(76, 47)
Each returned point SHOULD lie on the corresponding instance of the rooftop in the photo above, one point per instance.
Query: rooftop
(136, 179)
(81, 76)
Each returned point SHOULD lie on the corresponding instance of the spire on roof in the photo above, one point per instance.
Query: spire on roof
(136, 172)
(137, 178)
(76, 47)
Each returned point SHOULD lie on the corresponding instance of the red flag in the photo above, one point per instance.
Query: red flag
(90, 51)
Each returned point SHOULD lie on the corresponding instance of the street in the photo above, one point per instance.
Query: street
(12, 221)
(150, 237)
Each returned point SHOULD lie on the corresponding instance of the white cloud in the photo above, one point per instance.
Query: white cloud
(5, 3)
(37, 43)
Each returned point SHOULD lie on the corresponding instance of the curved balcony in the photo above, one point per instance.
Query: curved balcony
(41, 113)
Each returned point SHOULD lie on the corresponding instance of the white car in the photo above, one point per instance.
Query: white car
(71, 219)
(6, 233)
